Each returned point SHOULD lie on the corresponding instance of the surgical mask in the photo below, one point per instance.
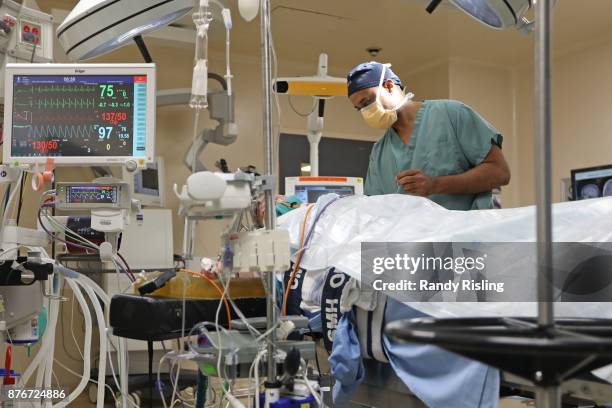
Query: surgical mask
(375, 114)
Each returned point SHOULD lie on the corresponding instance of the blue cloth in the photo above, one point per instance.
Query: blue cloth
(367, 75)
(345, 360)
(314, 322)
(448, 137)
(439, 378)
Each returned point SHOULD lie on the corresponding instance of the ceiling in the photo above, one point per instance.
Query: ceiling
(407, 34)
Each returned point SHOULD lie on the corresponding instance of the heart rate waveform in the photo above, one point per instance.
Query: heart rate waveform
(53, 117)
(54, 132)
(38, 89)
(58, 103)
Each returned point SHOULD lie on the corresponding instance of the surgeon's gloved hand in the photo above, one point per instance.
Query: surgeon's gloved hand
(416, 182)
(345, 360)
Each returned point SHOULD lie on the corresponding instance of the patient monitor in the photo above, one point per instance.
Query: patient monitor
(592, 182)
(79, 114)
(309, 189)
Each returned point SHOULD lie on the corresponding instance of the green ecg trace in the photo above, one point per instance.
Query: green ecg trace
(56, 88)
(59, 103)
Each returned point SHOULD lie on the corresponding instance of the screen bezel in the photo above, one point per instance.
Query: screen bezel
(146, 199)
(76, 70)
(292, 182)
(326, 187)
(584, 170)
(104, 203)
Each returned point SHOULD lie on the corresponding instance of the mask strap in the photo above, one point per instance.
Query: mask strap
(382, 77)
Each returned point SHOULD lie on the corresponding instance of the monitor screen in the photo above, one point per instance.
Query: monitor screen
(310, 194)
(90, 194)
(592, 182)
(146, 181)
(79, 115)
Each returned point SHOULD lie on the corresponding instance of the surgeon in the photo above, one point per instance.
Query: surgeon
(439, 149)
(442, 150)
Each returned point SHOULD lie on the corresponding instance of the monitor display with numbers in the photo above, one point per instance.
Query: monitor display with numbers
(79, 114)
(308, 189)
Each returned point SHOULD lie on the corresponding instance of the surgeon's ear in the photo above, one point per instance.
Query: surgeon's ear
(388, 85)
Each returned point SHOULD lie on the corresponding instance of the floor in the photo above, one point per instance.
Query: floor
(83, 402)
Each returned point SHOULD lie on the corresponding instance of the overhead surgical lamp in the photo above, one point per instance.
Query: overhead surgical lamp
(498, 14)
(95, 27)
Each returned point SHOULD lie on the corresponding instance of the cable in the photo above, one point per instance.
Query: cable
(161, 391)
(90, 380)
(178, 373)
(256, 383)
(56, 238)
(7, 193)
(316, 354)
(221, 292)
(8, 251)
(94, 292)
(183, 318)
(112, 366)
(119, 268)
(178, 395)
(63, 335)
(10, 200)
(315, 394)
(88, 334)
(48, 202)
(314, 223)
(126, 264)
(304, 115)
(297, 259)
(72, 327)
(70, 233)
(47, 339)
(23, 182)
(84, 243)
(102, 337)
(217, 325)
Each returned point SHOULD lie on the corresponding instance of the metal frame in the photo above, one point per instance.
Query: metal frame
(546, 397)
(270, 221)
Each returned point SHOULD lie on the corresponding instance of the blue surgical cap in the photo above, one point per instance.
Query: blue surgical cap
(367, 75)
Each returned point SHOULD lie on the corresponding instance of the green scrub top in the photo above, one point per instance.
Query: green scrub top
(448, 137)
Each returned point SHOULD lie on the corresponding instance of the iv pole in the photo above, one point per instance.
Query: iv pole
(270, 220)
(549, 396)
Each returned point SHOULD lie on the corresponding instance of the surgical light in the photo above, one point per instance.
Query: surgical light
(95, 27)
(498, 14)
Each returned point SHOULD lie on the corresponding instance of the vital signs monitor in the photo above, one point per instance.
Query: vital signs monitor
(79, 114)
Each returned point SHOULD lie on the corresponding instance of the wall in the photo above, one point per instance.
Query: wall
(431, 81)
(582, 102)
(489, 90)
